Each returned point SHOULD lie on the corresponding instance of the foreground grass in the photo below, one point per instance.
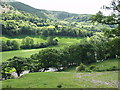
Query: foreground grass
(63, 42)
(69, 78)
(66, 79)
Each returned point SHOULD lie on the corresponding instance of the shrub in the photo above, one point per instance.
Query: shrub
(114, 68)
(8, 86)
(59, 86)
(92, 67)
(88, 70)
(81, 68)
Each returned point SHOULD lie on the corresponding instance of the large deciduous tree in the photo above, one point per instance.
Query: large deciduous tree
(47, 58)
(19, 63)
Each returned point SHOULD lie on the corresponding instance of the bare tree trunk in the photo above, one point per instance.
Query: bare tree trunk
(44, 69)
(18, 73)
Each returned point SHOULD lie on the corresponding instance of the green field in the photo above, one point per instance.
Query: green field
(68, 79)
(103, 65)
(62, 42)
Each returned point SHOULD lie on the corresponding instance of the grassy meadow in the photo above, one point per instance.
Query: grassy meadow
(65, 79)
(62, 42)
(103, 65)
(68, 78)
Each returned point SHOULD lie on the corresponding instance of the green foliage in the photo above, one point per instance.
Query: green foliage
(29, 21)
(113, 68)
(59, 86)
(15, 45)
(82, 67)
(100, 66)
(51, 41)
(112, 19)
(19, 63)
(47, 58)
(92, 67)
(27, 43)
(63, 42)
(5, 69)
(9, 45)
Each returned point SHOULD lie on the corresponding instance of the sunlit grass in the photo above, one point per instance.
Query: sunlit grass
(65, 79)
(103, 65)
(62, 42)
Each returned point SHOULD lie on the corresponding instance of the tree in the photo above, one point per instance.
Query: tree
(4, 46)
(48, 58)
(5, 69)
(15, 45)
(113, 19)
(51, 41)
(81, 67)
(19, 63)
(81, 53)
(98, 41)
(27, 43)
(35, 62)
(8, 43)
(45, 32)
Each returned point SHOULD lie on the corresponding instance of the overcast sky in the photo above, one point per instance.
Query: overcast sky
(73, 6)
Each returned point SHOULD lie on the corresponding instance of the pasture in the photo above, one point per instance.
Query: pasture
(68, 78)
(62, 42)
(102, 65)
(65, 79)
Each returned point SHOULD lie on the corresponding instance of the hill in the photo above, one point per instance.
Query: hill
(59, 15)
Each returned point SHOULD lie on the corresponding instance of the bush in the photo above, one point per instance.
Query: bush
(81, 68)
(113, 68)
(92, 67)
(59, 86)
(88, 70)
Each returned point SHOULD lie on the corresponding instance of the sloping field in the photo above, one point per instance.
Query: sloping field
(65, 79)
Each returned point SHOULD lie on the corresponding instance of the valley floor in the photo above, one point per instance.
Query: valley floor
(62, 42)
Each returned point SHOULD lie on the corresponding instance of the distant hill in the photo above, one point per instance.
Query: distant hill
(23, 7)
(60, 15)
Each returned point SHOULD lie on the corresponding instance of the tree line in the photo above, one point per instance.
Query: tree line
(22, 23)
(27, 43)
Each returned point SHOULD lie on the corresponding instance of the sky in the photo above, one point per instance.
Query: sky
(72, 6)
